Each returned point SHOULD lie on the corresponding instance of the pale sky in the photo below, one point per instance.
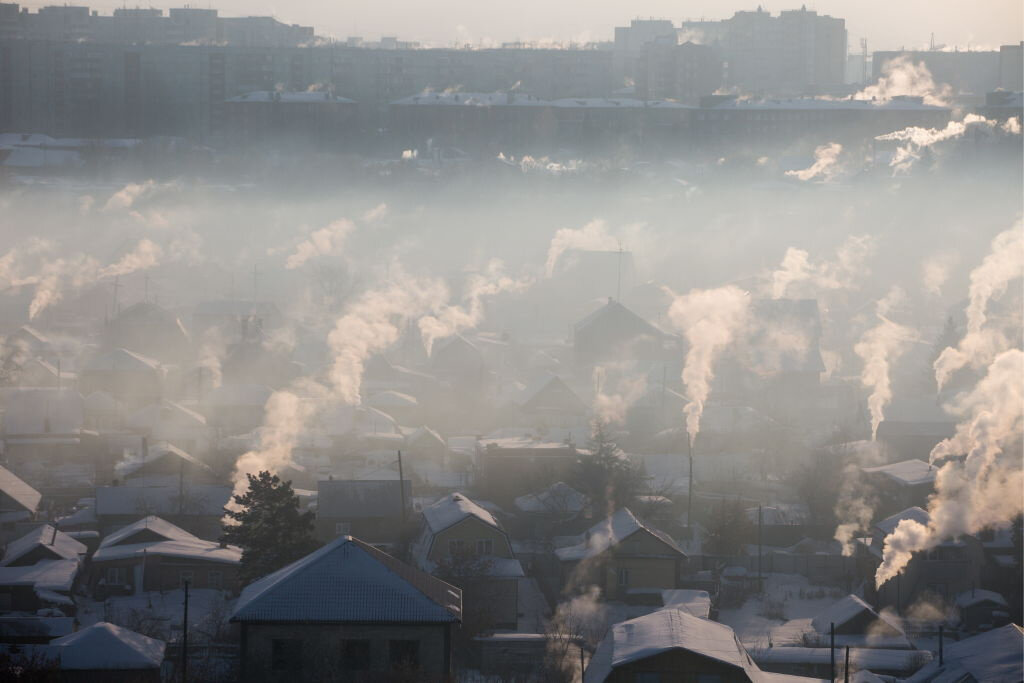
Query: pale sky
(887, 24)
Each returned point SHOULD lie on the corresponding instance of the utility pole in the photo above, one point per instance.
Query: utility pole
(184, 639)
(760, 527)
(846, 669)
(689, 485)
(401, 484)
(832, 651)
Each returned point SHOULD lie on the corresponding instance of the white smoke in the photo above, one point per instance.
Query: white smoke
(593, 236)
(849, 265)
(322, 242)
(709, 319)
(918, 138)
(616, 388)
(855, 505)
(376, 213)
(879, 348)
(902, 77)
(479, 286)
(145, 255)
(1003, 264)
(935, 271)
(983, 490)
(825, 166)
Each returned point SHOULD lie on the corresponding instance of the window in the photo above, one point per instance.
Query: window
(623, 576)
(455, 546)
(286, 654)
(214, 579)
(186, 575)
(485, 546)
(343, 529)
(404, 654)
(355, 655)
(116, 576)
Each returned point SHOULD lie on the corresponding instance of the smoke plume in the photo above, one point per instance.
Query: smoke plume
(145, 255)
(615, 390)
(709, 319)
(825, 166)
(592, 236)
(879, 347)
(1003, 264)
(983, 490)
(842, 273)
(902, 77)
(855, 506)
(320, 242)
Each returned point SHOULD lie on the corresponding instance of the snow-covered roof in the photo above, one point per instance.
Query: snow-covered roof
(106, 647)
(825, 103)
(198, 499)
(349, 581)
(611, 532)
(20, 492)
(695, 602)
(471, 99)
(312, 97)
(906, 472)
(151, 524)
(874, 658)
(392, 399)
(662, 631)
(994, 656)
(154, 415)
(559, 498)
(54, 575)
(426, 435)
(60, 544)
(121, 360)
(43, 411)
(888, 525)
(454, 508)
(159, 452)
(843, 611)
(976, 596)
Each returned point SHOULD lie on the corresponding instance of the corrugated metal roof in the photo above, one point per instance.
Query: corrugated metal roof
(349, 581)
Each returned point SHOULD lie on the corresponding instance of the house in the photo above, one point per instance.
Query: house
(18, 502)
(105, 652)
(236, 408)
(127, 376)
(549, 402)
(155, 555)
(47, 583)
(622, 555)
(405, 409)
(464, 543)
(559, 500)
(457, 358)
(945, 571)
(912, 427)
(994, 656)
(346, 611)
(232, 317)
(856, 624)
(372, 509)
(24, 629)
(198, 508)
(43, 430)
(101, 412)
(42, 543)
(981, 610)
(149, 329)
(164, 464)
(512, 464)
(172, 422)
(670, 645)
(902, 485)
(615, 333)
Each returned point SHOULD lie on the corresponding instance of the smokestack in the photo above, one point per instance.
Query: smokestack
(53, 537)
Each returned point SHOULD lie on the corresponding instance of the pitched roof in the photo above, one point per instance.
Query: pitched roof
(152, 523)
(121, 360)
(843, 611)
(906, 472)
(620, 314)
(551, 393)
(993, 656)
(43, 411)
(349, 581)
(611, 532)
(973, 597)
(889, 524)
(104, 646)
(60, 544)
(199, 499)
(664, 630)
(347, 499)
(19, 491)
(164, 450)
(454, 508)
(559, 498)
(56, 575)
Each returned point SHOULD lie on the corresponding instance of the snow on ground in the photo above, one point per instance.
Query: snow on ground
(159, 614)
(797, 597)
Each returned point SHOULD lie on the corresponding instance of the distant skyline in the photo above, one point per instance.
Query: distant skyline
(887, 24)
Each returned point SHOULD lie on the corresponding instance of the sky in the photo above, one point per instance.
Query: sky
(887, 24)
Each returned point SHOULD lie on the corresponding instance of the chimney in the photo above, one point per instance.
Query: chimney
(53, 537)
